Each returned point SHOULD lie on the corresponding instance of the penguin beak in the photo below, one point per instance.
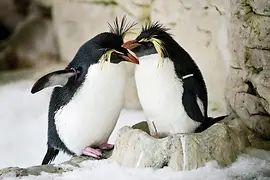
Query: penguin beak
(131, 44)
(130, 58)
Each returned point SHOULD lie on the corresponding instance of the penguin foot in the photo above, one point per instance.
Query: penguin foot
(95, 153)
(156, 135)
(106, 146)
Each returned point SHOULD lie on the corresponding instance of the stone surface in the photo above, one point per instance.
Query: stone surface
(261, 7)
(32, 43)
(222, 142)
(12, 13)
(74, 162)
(248, 90)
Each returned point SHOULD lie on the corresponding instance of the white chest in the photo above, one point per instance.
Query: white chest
(91, 115)
(160, 93)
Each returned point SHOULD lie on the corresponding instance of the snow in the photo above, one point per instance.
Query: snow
(23, 127)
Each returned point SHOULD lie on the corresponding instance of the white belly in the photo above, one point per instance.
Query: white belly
(91, 115)
(160, 93)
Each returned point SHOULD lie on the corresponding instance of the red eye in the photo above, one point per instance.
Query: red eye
(149, 44)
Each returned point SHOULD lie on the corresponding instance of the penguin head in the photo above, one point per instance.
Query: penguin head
(103, 47)
(106, 46)
(153, 39)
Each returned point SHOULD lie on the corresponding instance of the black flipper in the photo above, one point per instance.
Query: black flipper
(194, 94)
(191, 99)
(56, 78)
(191, 106)
(50, 155)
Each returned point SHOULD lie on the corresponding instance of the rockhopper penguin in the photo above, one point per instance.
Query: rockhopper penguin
(170, 85)
(89, 95)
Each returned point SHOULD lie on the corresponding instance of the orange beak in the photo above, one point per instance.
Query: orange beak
(131, 58)
(130, 44)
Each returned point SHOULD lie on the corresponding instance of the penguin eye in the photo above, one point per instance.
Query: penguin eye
(149, 44)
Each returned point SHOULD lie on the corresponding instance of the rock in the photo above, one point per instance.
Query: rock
(248, 90)
(260, 124)
(261, 7)
(222, 142)
(11, 14)
(74, 162)
(46, 3)
(35, 170)
(33, 42)
(142, 126)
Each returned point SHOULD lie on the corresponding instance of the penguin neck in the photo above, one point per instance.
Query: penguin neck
(153, 63)
(152, 59)
(106, 71)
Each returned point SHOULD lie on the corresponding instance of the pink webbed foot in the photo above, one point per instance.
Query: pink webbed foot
(106, 146)
(92, 152)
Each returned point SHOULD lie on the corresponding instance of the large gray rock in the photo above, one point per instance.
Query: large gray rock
(222, 142)
(248, 85)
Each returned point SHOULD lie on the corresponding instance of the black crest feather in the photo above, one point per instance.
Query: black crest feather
(121, 27)
(154, 27)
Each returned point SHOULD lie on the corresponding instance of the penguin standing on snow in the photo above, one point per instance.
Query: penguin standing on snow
(170, 85)
(89, 96)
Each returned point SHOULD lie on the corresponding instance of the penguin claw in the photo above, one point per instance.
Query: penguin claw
(95, 153)
(106, 146)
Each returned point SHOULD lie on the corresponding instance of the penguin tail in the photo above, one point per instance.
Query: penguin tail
(209, 122)
(50, 155)
(213, 120)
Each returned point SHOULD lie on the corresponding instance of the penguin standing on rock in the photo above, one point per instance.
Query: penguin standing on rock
(170, 85)
(89, 96)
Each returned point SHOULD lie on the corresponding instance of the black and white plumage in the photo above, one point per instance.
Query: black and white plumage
(170, 85)
(89, 96)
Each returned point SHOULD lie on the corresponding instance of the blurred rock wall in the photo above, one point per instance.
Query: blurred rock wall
(28, 39)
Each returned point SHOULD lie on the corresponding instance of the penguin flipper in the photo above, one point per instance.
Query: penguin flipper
(193, 106)
(56, 78)
(50, 155)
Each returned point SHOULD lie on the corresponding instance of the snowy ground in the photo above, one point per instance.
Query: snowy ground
(23, 127)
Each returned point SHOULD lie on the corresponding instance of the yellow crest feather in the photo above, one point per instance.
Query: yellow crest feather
(158, 44)
(107, 56)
